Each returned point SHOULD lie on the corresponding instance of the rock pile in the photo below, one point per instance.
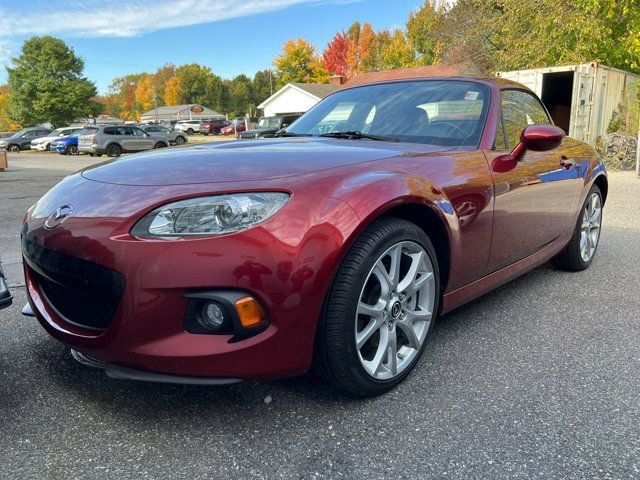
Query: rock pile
(618, 150)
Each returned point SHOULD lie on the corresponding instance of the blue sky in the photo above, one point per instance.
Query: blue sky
(116, 37)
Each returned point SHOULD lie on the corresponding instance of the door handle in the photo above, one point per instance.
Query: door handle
(566, 162)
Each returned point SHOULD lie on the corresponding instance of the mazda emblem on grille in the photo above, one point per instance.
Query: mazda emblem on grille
(58, 216)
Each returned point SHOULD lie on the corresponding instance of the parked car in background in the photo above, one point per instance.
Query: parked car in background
(213, 127)
(7, 134)
(171, 124)
(22, 140)
(268, 126)
(189, 126)
(174, 137)
(68, 145)
(42, 143)
(237, 125)
(115, 140)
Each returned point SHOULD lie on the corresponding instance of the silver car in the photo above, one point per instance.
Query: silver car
(174, 137)
(115, 140)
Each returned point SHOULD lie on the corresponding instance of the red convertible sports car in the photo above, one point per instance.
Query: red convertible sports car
(334, 246)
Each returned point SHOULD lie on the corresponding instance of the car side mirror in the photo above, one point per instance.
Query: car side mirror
(537, 138)
(285, 125)
(146, 135)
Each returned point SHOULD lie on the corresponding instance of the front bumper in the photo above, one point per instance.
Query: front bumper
(40, 147)
(281, 263)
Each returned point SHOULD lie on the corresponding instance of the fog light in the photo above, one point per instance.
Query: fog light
(250, 313)
(211, 316)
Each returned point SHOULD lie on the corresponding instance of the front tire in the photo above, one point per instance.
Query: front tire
(380, 309)
(181, 140)
(14, 148)
(581, 249)
(72, 150)
(190, 131)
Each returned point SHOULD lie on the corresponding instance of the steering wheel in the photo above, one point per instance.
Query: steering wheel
(451, 126)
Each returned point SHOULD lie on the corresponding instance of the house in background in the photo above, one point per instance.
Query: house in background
(297, 98)
(179, 112)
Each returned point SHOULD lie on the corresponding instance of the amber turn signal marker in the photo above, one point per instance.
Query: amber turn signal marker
(250, 313)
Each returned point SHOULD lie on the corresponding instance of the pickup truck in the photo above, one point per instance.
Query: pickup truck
(268, 126)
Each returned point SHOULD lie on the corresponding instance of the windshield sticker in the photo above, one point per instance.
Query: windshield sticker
(471, 95)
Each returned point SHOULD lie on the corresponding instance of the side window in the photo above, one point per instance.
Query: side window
(520, 109)
(110, 131)
(137, 132)
(151, 129)
(123, 131)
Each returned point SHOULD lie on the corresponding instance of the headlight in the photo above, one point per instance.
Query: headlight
(214, 215)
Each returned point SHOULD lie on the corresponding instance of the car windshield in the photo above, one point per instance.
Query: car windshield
(437, 112)
(269, 122)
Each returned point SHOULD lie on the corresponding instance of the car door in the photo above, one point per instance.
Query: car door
(25, 140)
(535, 201)
(142, 140)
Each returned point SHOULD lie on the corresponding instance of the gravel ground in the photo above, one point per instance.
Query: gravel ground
(538, 379)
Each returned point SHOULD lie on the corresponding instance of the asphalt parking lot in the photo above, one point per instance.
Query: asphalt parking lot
(539, 379)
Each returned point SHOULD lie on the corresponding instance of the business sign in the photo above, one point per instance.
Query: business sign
(197, 109)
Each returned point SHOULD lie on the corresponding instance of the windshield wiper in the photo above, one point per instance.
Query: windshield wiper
(356, 135)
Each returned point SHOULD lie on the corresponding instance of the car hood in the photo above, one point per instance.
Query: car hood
(241, 162)
(260, 130)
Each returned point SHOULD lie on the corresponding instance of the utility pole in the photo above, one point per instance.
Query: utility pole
(155, 101)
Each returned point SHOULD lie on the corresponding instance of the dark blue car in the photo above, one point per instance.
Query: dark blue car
(66, 145)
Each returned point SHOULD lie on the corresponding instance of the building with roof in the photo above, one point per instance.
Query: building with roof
(191, 111)
(296, 98)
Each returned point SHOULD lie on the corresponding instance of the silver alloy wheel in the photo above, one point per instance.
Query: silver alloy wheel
(395, 309)
(590, 229)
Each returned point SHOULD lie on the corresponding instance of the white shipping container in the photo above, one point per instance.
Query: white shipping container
(580, 98)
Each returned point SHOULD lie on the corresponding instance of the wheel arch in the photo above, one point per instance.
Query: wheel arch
(603, 184)
(433, 226)
(114, 142)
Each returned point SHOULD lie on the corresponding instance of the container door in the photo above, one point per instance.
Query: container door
(581, 112)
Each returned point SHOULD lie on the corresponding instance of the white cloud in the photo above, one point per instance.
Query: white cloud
(130, 18)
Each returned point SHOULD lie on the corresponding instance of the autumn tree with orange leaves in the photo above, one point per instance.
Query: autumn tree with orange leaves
(335, 55)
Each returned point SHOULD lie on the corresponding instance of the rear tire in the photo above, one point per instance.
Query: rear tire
(353, 339)
(14, 148)
(581, 249)
(181, 140)
(190, 131)
(160, 145)
(72, 150)
(114, 150)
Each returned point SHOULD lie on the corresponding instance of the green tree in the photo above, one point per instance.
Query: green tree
(299, 62)
(263, 86)
(424, 29)
(240, 95)
(200, 85)
(47, 84)
(394, 50)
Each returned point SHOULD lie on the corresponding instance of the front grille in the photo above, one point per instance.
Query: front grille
(82, 293)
